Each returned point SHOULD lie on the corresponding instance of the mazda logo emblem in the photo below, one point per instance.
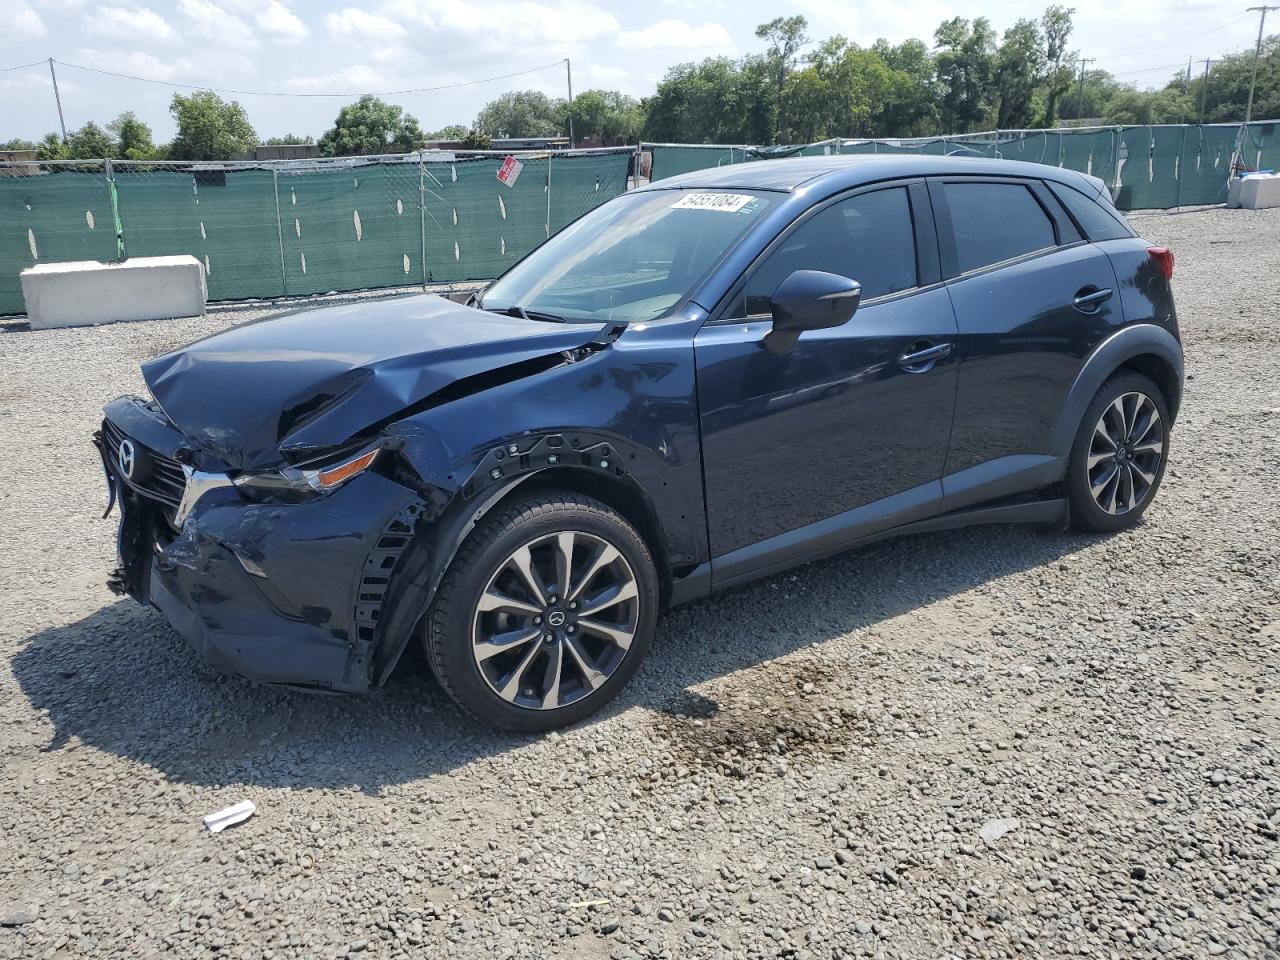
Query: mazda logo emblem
(126, 459)
(555, 618)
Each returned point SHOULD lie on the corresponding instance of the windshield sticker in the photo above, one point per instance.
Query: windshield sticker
(723, 202)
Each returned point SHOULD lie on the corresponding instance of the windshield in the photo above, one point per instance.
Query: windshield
(631, 259)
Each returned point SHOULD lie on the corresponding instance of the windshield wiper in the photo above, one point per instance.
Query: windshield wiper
(515, 310)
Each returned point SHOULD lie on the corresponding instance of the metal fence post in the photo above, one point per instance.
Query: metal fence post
(422, 212)
(275, 192)
(547, 227)
(110, 171)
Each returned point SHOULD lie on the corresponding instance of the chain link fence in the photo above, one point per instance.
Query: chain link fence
(298, 227)
(1147, 167)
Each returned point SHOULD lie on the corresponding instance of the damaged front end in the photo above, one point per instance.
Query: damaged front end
(267, 518)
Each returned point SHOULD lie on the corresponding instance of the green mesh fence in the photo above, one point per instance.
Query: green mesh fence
(225, 219)
(1260, 147)
(292, 228)
(63, 214)
(670, 160)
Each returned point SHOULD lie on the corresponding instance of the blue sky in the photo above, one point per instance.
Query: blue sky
(295, 47)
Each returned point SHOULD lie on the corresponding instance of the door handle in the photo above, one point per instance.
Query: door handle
(923, 359)
(1090, 299)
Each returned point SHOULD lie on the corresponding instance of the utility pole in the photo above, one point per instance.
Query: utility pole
(1080, 90)
(58, 100)
(568, 75)
(1257, 55)
(1204, 87)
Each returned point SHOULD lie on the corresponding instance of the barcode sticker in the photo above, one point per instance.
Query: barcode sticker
(723, 202)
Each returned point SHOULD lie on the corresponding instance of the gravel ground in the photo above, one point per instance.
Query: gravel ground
(994, 742)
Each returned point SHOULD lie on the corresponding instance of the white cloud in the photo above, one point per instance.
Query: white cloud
(280, 23)
(347, 80)
(213, 68)
(22, 21)
(210, 22)
(128, 23)
(353, 22)
(494, 25)
(677, 35)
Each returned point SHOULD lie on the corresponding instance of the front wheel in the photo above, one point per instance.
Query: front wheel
(545, 613)
(1119, 454)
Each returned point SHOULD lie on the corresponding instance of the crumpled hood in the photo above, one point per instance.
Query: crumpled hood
(314, 378)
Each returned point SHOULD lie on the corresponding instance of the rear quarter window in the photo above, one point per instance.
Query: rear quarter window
(994, 222)
(1094, 220)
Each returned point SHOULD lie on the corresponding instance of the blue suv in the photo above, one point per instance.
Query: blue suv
(699, 383)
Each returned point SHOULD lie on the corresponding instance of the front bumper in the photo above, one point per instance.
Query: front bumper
(283, 593)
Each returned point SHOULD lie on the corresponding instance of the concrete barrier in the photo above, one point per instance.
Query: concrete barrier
(84, 293)
(1254, 192)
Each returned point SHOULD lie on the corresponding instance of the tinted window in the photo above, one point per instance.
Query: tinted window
(869, 237)
(995, 222)
(1094, 219)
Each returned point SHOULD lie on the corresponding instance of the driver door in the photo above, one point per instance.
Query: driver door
(846, 434)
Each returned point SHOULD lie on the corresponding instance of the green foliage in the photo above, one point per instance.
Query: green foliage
(90, 142)
(966, 69)
(1020, 71)
(454, 131)
(716, 101)
(475, 140)
(608, 116)
(132, 138)
(371, 126)
(209, 128)
(51, 148)
(17, 143)
(288, 140)
(523, 113)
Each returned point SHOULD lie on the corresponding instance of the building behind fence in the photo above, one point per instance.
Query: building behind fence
(289, 228)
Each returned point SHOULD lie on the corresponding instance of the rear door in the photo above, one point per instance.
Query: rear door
(1032, 299)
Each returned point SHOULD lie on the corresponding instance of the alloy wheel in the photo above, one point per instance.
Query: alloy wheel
(555, 620)
(1125, 453)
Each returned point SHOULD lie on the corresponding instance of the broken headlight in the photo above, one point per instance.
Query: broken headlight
(303, 482)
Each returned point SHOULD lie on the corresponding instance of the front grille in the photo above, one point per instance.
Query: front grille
(166, 480)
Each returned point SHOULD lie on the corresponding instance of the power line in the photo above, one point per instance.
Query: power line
(24, 66)
(281, 93)
(1257, 55)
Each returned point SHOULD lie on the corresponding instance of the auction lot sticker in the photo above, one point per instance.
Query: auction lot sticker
(723, 202)
(509, 171)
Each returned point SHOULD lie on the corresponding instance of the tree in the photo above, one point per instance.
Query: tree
(1020, 65)
(608, 116)
(523, 113)
(209, 128)
(475, 140)
(1228, 86)
(1170, 105)
(133, 138)
(786, 35)
(51, 148)
(910, 108)
(966, 67)
(371, 126)
(454, 131)
(836, 95)
(288, 140)
(17, 143)
(1056, 24)
(90, 142)
(716, 101)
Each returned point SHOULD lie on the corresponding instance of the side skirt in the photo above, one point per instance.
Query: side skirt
(1050, 512)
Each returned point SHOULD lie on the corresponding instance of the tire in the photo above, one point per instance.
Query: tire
(1119, 454)
(504, 587)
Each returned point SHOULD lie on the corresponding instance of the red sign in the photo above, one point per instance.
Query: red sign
(509, 170)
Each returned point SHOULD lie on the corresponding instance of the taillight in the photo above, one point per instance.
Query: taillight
(1163, 258)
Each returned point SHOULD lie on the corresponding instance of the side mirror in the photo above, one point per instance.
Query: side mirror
(810, 300)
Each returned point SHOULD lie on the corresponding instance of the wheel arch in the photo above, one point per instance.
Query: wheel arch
(1145, 348)
(427, 558)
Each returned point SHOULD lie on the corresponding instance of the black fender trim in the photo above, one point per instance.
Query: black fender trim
(1110, 355)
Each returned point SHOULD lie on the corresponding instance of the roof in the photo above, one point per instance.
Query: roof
(843, 172)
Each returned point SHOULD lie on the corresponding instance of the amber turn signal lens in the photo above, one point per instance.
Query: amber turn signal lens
(332, 476)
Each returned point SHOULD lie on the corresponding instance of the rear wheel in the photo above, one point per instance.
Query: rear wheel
(1119, 454)
(545, 613)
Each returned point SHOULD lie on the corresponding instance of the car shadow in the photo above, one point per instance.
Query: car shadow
(122, 681)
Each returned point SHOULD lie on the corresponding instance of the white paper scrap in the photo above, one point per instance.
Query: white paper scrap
(242, 811)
